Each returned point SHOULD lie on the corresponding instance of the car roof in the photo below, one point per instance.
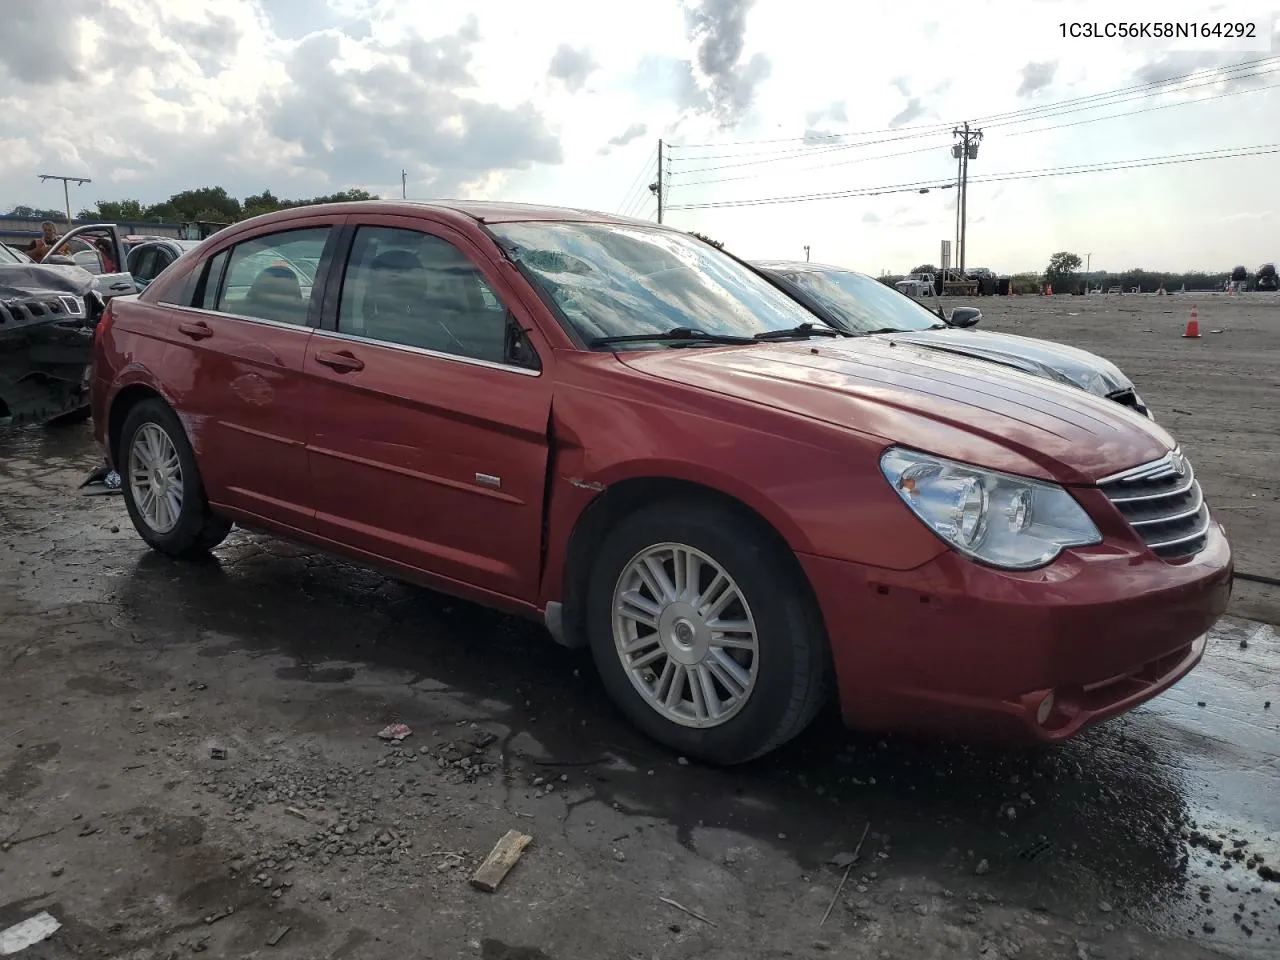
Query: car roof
(480, 211)
(801, 266)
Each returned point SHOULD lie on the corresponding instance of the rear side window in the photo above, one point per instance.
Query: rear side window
(268, 278)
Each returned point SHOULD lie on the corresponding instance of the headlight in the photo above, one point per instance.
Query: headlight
(1001, 520)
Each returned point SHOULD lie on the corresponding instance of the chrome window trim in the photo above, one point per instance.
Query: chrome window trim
(239, 316)
(423, 351)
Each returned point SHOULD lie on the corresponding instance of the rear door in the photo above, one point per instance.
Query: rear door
(236, 366)
(430, 409)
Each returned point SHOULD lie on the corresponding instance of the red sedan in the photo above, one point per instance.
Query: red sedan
(617, 428)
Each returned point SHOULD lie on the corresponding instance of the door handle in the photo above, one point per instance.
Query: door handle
(195, 329)
(122, 286)
(343, 362)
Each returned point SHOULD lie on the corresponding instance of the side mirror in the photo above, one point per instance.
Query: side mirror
(59, 261)
(964, 317)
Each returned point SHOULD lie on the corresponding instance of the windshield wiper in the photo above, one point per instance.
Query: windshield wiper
(805, 329)
(675, 334)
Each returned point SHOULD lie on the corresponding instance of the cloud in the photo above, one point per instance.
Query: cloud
(1226, 67)
(41, 42)
(673, 79)
(1247, 216)
(633, 132)
(719, 28)
(211, 43)
(914, 110)
(401, 108)
(295, 19)
(1036, 77)
(835, 111)
(571, 66)
(870, 217)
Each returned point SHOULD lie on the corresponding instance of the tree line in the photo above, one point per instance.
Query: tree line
(1063, 273)
(207, 204)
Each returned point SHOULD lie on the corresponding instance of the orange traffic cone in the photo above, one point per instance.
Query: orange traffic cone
(1193, 325)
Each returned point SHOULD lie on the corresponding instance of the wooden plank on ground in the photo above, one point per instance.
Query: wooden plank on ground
(501, 859)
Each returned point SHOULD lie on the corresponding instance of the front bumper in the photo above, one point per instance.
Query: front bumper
(954, 647)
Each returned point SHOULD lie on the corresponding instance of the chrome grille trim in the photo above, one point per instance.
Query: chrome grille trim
(1163, 504)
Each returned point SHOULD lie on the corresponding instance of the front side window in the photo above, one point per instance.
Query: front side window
(864, 304)
(612, 280)
(272, 277)
(416, 290)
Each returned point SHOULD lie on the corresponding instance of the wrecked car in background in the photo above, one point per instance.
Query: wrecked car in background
(47, 316)
(48, 311)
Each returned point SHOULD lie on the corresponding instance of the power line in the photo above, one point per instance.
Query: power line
(924, 186)
(1041, 113)
(1018, 133)
(1133, 113)
(628, 198)
(1216, 74)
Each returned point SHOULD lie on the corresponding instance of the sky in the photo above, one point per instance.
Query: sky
(564, 103)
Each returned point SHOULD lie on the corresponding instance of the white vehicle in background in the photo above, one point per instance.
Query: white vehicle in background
(917, 285)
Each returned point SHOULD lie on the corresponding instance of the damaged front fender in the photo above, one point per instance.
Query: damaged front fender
(47, 318)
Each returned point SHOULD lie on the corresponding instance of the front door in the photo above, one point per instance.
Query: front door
(99, 249)
(430, 410)
(236, 369)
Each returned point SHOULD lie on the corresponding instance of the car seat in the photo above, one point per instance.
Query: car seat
(276, 294)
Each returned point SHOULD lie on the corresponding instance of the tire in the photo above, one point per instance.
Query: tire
(196, 529)
(790, 658)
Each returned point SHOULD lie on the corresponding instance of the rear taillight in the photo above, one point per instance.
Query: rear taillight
(104, 322)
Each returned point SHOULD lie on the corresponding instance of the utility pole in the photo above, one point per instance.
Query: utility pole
(404, 185)
(66, 193)
(1088, 262)
(958, 153)
(656, 186)
(806, 253)
(966, 150)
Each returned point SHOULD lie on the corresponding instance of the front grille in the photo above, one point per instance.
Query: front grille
(20, 312)
(1163, 503)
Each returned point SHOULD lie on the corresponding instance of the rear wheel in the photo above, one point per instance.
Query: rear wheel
(162, 488)
(704, 632)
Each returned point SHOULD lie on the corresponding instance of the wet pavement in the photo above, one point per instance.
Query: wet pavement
(1163, 824)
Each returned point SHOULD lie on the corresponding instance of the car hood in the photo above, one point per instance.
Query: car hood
(20, 280)
(950, 405)
(1057, 361)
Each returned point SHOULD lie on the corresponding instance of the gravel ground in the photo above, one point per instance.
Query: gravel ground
(189, 759)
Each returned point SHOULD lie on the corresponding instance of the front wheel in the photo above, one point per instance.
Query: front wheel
(704, 632)
(162, 488)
